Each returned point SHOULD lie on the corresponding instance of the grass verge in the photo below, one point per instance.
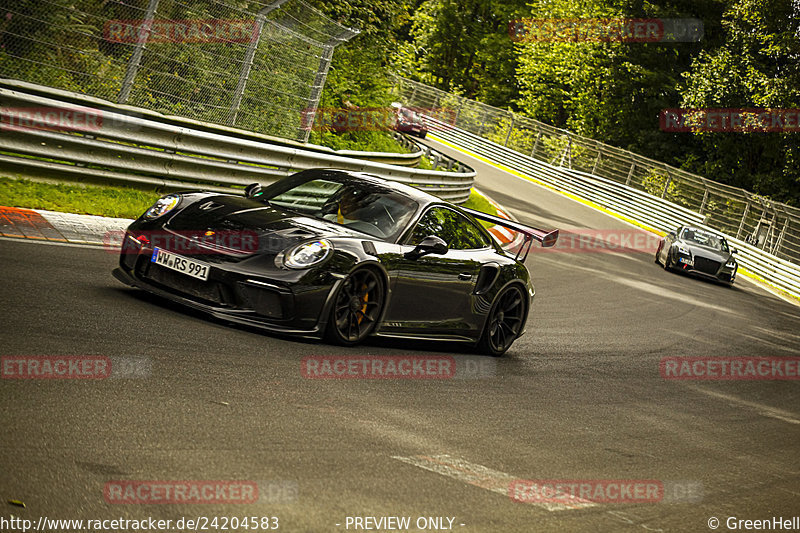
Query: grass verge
(107, 201)
(478, 202)
(119, 202)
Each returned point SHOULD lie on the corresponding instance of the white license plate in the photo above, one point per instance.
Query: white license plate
(181, 264)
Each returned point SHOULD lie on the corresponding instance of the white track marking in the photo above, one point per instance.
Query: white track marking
(481, 476)
(764, 410)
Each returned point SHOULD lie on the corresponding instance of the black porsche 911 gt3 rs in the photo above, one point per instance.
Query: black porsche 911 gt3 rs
(336, 254)
(700, 252)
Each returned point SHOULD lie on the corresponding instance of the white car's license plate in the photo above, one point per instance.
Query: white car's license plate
(181, 264)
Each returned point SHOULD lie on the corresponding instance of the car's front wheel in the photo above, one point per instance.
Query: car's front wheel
(505, 321)
(357, 307)
(668, 261)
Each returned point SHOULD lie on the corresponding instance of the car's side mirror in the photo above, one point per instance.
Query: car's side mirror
(429, 245)
(671, 235)
(252, 190)
(734, 251)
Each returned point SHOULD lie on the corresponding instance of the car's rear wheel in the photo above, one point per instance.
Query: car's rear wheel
(356, 307)
(505, 321)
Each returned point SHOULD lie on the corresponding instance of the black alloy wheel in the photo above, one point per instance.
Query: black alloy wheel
(356, 307)
(505, 321)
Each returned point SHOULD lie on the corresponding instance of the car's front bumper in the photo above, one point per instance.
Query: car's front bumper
(706, 268)
(236, 296)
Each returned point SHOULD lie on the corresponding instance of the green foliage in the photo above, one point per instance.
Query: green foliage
(119, 202)
(756, 66)
(367, 141)
(479, 202)
(610, 91)
(464, 45)
(655, 181)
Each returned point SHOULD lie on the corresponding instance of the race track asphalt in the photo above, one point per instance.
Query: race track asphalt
(579, 397)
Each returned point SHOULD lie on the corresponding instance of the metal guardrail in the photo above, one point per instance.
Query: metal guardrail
(770, 226)
(259, 65)
(137, 149)
(644, 208)
(410, 159)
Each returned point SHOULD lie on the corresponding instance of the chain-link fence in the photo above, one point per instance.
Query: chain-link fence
(771, 226)
(255, 65)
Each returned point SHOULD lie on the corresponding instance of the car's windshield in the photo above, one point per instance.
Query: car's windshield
(709, 240)
(357, 204)
(409, 115)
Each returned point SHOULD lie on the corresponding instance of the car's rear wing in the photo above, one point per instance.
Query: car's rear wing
(547, 238)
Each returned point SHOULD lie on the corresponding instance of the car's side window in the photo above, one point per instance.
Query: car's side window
(457, 231)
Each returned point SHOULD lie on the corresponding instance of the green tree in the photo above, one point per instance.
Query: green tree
(757, 65)
(612, 91)
(464, 46)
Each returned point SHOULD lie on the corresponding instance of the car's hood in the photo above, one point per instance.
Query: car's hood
(275, 228)
(704, 251)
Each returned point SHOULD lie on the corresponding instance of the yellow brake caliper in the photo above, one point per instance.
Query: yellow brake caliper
(364, 308)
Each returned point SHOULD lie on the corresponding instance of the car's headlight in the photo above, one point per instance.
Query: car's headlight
(162, 206)
(730, 264)
(683, 250)
(305, 255)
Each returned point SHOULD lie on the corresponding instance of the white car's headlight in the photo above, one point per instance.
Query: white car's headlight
(162, 206)
(305, 255)
(730, 264)
(683, 250)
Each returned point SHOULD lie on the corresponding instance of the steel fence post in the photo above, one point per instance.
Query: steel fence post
(705, 199)
(510, 129)
(536, 142)
(666, 185)
(319, 81)
(310, 111)
(136, 57)
(458, 111)
(483, 121)
(244, 74)
(596, 161)
(569, 151)
(744, 217)
(247, 64)
(778, 244)
(630, 173)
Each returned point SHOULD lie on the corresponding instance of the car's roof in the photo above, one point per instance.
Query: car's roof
(419, 196)
(704, 230)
